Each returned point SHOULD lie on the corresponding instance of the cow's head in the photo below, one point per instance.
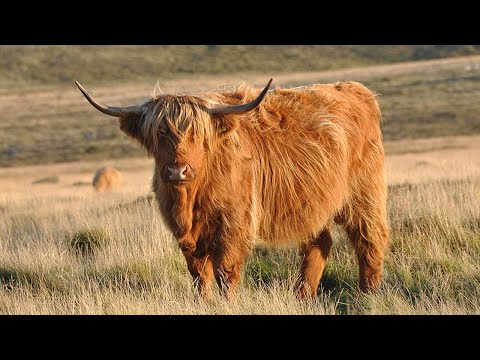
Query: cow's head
(178, 131)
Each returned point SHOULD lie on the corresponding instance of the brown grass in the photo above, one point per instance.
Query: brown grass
(432, 266)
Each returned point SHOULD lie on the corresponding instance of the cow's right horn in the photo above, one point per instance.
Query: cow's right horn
(239, 109)
(110, 110)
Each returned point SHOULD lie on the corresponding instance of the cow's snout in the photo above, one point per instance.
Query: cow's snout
(179, 172)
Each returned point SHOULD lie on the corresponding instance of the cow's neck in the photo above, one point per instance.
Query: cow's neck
(186, 213)
(182, 201)
(187, 208)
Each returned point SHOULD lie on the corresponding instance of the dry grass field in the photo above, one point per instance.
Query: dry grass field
(130, 264)
(65, 249)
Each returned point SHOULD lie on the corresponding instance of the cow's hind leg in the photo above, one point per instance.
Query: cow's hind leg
(368, 232)
(365, 216)
(314, 254)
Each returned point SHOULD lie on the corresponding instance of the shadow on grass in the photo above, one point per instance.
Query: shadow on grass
(53, 280)
(137, 276)
(47, 180)
(267, 266)
(339, 283)
(81, 183)
(10, 278)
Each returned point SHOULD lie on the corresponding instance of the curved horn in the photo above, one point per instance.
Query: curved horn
(239, 109)
(110, 110)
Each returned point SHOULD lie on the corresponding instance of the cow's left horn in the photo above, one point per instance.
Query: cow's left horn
(110, 110)
(239, 109)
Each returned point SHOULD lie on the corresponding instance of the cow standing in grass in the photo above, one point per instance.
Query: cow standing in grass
(237, 167)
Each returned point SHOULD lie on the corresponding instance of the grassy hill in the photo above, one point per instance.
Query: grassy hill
(48, 122)
(100, 64)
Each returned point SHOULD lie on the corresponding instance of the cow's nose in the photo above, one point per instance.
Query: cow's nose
(179, 172)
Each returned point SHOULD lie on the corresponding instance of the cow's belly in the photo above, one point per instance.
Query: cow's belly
(290, 224)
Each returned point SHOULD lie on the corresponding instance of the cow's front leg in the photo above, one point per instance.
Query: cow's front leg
(233, 242)
(227, 275)
(201, 269)
(199, 261)
(227, 267)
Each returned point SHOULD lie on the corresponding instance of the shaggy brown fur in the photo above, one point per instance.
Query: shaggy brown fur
(281, 173)
(107, 178)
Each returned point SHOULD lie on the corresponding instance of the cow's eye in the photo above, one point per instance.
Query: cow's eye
(162, 132)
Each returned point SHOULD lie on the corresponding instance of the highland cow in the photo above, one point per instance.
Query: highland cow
(107, 178)
(237, 167)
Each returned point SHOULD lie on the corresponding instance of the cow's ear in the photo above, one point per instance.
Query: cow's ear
(226, 125)
(132, 126)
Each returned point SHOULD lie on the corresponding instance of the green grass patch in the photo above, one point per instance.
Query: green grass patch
(88, 242)
(265, 266)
